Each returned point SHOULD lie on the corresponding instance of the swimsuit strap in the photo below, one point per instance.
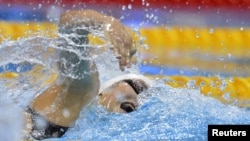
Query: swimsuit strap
(42, 128)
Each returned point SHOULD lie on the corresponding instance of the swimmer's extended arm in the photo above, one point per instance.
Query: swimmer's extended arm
(114, 31)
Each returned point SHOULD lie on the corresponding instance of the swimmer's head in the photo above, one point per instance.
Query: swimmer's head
(120, 94)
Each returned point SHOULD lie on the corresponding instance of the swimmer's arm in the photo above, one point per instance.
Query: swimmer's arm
(114, 30)
(82, 18)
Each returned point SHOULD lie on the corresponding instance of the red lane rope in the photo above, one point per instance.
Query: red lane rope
(238, 4)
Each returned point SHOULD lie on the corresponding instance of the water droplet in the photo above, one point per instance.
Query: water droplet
(130, 6)
(224, 66)
(141, 24)
(181, 72)
(222, 43)
(146, 47)
(218, 11)
(222, 58)
(143, 2)
(66, 113)
(191, 84)
(39, 6)
(122, 17)
(108, 27)
(231, 79)
(227, 96)
(141, 40)
(197, 35)
(228, 20)
(195, 68)
(211, 30)
(123, 7)
(19, 69)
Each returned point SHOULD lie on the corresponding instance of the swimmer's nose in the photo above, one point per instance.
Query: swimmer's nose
(127, 107)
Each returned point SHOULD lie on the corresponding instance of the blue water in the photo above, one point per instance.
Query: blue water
(165, 113)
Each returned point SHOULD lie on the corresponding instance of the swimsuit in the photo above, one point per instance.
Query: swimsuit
(42, 128)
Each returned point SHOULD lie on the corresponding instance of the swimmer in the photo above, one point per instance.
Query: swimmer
(57, 108)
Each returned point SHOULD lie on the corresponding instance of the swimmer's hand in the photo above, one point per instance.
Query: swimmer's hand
(116, 33)
(122, 42)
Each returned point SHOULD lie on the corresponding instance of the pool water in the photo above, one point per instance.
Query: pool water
(165, 113)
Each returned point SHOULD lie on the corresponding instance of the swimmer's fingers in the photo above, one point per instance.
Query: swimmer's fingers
(127, 57)
(122, 46)
(120, 56)
(116, 50)
(119, 51)
(127, 50)
(123, 63)
(124, 58)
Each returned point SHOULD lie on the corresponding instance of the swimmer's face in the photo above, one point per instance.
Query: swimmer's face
(120, 98)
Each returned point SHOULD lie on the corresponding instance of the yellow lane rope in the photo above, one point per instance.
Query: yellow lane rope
(234, 90)
(213, 40)
(227, 49)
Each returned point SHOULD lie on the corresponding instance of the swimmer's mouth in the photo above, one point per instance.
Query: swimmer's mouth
(127, 107)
